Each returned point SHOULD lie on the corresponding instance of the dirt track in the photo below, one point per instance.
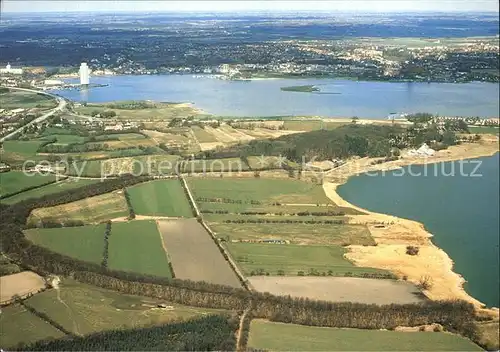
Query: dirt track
(193, 253)
(339, 289)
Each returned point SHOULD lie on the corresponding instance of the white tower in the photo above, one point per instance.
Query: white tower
(84, 74)
(8, 67)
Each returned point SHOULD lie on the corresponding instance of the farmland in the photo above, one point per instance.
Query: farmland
(16, 152)
(262, 190)
(310, 125)
(61, 186)
(89, 210)
(160, 198)
(82, 242)
(297, 233)
(193, 253)
(216, 165)
(15, 181)
(288, 259)
(307, 338)
(17, 325)
(136, 246)
(20, 284)
(22, 99)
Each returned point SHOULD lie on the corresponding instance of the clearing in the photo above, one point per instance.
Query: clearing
(194, 254)
(289, 259)
(20, 284)
(339, 289)
(81, 242)
(136, 246)
(89, 210)
(160, 198)
(308, 338)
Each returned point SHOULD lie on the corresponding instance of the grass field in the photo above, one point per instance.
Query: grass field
(89, 210)
(215, 165)
(138, 165)
(263, 190)
(310, 125)
(484, 129)
(17, 326)
(203, 136)
(66, 138)
(15, 181)
(87, 309)
(22, 99)
(324, 234)
(274, 209)
(264, 336)
(136, 246)
(290, 259)
(16, 152)
(49, 189)
(82, 242)
(160, 198)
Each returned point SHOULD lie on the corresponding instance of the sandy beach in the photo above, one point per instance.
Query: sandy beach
(393, 234)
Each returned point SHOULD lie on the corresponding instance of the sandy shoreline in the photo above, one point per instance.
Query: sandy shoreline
(393, 234)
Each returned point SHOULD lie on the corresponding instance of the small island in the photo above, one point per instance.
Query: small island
(305, 89)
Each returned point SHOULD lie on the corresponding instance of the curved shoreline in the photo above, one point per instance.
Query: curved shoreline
(393, 234)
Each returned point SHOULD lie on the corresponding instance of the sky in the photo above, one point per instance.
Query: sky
(241, 6)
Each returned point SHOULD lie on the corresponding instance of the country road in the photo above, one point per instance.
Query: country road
(60, 107)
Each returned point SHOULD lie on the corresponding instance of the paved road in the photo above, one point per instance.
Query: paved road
(61, 106)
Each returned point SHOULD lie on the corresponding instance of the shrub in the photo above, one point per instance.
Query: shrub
(425, 282)
(412, 250)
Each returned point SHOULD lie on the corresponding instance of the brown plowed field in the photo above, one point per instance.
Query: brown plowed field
(193, 253)
(21, 284)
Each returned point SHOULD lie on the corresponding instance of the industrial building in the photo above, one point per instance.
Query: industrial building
(14, 71)
(84, 74)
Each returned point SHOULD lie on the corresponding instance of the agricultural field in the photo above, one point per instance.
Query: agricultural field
(203, 136)
(160, 198)
(194, 254)
(484, 129)
(281, 210)
(15, 181)
(20, 284)
(289, 259)
(263, 336)
(61, 186)
(21, 99)
(81, 242)
(296, 233)
(19, 326)
(284, 191)
(214, 165)
(310, 125)
(16, 152)
(139, 165)
(89, 210)
(136, 246)
(65, 138)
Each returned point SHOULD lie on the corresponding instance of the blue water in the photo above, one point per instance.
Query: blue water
(461, 211)
(264, 98)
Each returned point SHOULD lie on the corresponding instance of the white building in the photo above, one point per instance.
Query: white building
(9, 69)
(84, 74)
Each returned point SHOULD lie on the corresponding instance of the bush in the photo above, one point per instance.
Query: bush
(412, 250)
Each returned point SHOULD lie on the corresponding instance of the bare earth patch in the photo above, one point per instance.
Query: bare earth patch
(339, 289)
(21, 284)
(193, 253)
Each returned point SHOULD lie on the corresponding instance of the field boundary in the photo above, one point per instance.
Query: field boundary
(223, 251)
(169, 260)
(8, 195)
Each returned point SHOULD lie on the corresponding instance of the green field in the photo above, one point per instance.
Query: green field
(290, 259)
(95, 209)
(17, 326)
(22, 99)
(16, 152)
(273, 209)
(91, 309)
(66, 138)
(15, 181)
(82, 242)
(136, 246)
(160, 198)
(138, 165)
(203, 136)
(297, 233)
(263, 190)
(214, 165)
(484, 129)
(289, 337)
(49, 189)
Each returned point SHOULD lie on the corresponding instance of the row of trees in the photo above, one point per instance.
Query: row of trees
(227, 201)
(105, 254)
(210, 333)
(131, 212)
(286, 221)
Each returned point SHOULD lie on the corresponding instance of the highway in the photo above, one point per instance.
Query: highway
(60, 107)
